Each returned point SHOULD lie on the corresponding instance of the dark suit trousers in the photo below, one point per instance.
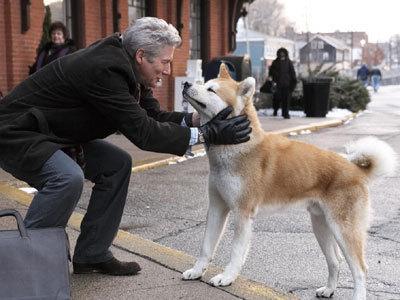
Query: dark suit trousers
(281, 98)
(60, 182)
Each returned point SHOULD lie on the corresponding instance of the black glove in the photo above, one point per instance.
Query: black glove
(222, 131)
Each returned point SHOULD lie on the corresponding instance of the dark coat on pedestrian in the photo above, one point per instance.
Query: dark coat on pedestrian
(50, 52)
(363, 73)
(375, 72)
(87, 95)
(282, 71)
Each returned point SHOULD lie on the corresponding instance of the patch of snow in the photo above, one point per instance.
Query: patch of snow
(334, 113)
(28, 190)
(338, 113)
(307, 131)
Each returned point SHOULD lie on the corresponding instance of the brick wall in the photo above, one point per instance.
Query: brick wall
(3, 52)
(167, 11)
(20, 49)
(218, 28)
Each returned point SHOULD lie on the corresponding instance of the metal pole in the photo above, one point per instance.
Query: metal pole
(351, 53)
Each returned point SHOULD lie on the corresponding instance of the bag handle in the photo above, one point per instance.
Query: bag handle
(20, 222)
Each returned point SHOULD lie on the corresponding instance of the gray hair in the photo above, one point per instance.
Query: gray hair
(151, 35)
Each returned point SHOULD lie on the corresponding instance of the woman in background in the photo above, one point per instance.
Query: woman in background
(60, 44)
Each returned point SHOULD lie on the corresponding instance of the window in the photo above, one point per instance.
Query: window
(325, 56)
(136, 9)
(314, 44)
(195, 29)
(320, 45)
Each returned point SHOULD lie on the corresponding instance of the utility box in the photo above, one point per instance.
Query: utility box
(180, 103)
(193, 75)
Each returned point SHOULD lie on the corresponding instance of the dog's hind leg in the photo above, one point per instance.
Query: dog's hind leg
(329, 248)
(216, 219)
(349, 229)
(240, 247)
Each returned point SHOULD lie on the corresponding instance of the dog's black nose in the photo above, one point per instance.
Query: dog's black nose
(186, 85)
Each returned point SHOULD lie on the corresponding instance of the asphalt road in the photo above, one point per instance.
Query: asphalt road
(168, 205)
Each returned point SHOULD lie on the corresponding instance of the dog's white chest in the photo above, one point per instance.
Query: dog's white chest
(226, 180)
(228, 186)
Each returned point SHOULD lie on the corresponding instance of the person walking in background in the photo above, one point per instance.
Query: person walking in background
(60, 44)
(283, 74)
(376, 77)
(362, 75)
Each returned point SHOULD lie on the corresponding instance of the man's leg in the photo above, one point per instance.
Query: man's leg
(59, 183)
(109, 168)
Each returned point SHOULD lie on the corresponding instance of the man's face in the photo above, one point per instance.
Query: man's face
(152, 72)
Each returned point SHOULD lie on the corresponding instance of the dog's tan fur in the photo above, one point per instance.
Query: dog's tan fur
(274, 171)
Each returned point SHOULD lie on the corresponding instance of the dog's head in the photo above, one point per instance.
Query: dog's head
(216, 94)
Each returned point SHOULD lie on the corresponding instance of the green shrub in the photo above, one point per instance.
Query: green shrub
(296, 101)
(45, 29)
(349, 94)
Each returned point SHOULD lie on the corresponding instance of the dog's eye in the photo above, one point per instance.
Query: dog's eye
(211, 90)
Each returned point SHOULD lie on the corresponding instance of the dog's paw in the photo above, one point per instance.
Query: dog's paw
(325, 292)
(192, 274)
(222, 280)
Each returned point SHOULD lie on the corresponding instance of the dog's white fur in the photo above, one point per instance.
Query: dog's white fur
(272, 171)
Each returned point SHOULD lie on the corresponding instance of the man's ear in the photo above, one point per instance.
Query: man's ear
(139, 56)
(223, 72)
(247, 87)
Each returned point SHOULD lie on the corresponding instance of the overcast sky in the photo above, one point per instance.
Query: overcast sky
(379, 18)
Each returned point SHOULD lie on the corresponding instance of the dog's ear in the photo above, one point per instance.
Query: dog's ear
(247, 87)
(223, 72)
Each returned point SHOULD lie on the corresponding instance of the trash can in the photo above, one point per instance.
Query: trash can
(316, 96)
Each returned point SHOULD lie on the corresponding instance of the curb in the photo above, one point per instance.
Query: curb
(315, 126)
(170, 258)
(167, 161)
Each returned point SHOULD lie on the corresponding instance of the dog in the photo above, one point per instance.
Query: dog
(272, 171)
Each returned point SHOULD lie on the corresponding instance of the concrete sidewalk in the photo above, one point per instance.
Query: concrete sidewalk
(160, 277)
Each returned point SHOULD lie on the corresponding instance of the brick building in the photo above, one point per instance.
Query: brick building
(207, 28)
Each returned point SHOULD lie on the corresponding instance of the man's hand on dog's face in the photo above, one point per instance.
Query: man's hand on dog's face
(222, 131)
(196, 119)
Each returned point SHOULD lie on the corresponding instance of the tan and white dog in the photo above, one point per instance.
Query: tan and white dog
(272, 171)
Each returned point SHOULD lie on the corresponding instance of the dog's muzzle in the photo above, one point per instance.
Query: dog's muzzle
(186, 86)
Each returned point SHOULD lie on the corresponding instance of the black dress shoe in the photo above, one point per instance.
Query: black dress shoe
(111, 267)
(275, 113)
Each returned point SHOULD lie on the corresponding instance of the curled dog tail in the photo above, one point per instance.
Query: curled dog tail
(375, 157)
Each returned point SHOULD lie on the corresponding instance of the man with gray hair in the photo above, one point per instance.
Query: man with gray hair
(52, 125)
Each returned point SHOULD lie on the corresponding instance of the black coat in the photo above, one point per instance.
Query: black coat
(283, 73)
(50, 52)
(87, 95)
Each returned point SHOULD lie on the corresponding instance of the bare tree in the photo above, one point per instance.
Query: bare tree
(267, 16)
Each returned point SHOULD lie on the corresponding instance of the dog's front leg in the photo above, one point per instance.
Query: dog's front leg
(216, 219)
(240, 247)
